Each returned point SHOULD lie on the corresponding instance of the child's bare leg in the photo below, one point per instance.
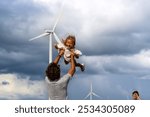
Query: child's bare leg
(80, 65)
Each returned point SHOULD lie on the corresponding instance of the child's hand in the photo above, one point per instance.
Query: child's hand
(63, 41)
(72, 52)
(61, 52)
(56, 46)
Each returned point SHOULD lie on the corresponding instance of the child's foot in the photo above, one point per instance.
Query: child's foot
(82, 67)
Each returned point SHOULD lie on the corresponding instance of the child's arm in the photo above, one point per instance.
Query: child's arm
(59, 46)
(77, 53)
(61, 52)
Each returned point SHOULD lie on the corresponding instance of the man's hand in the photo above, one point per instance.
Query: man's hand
(61, 52)
(72, 62)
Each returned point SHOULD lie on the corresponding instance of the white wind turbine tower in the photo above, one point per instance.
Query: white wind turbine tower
(51, 33)
(91, 93)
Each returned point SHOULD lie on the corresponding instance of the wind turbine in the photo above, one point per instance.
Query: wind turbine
(51, 33)
(91, 93)
(127, 96)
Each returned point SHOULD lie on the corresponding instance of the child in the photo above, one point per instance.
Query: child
(69, 45)
(135, 95)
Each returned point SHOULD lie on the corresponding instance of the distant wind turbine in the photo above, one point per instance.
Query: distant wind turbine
(127, 96)
(91, 93)
(51, 33)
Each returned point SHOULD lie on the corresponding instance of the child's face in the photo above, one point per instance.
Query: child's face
(69, 43)
(135, 96)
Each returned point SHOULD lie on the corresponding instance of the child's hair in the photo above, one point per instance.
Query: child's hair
(135, 92)
(53, 72)
(72, 38)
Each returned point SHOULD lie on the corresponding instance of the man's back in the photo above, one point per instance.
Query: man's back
(58, 89)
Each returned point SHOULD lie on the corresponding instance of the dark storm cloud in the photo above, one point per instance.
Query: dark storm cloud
(122, 31)
(136, 64)
(17, 53)
(117, 43)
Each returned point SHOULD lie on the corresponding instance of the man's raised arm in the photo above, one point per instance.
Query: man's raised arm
(72, 65)
(61, 52)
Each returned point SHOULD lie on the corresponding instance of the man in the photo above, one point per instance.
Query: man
(57, 86)
(135, 95)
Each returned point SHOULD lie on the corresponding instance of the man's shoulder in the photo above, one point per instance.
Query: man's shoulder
(47, 80)
(66, 76)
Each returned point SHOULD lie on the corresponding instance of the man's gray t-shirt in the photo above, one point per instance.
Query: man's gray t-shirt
(58, 89)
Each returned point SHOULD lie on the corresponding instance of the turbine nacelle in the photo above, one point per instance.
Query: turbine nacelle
(48, 31)
(91, 93)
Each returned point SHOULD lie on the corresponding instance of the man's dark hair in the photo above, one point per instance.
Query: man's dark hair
(53, 72)
(135, 92)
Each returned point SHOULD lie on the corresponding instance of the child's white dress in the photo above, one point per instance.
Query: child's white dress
(67, 52)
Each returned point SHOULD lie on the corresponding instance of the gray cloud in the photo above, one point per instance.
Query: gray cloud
(136, 64)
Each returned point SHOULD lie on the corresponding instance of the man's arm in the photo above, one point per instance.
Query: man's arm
(72, 66)
(61, 52)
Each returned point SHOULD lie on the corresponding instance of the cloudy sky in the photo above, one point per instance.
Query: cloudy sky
(113, 36)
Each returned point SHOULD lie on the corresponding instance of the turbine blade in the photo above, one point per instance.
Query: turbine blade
(42, 35)
(57, 39)
(87, 96)
(95, 94)
(59, 16)
(50, 48)
(91, 88)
